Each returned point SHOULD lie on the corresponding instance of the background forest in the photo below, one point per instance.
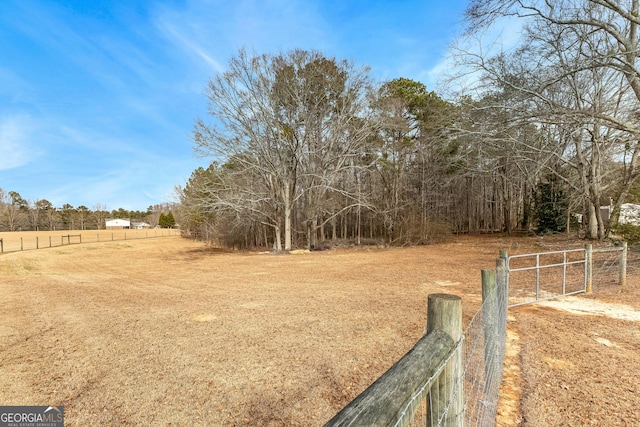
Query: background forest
(307, 149)
(19, 214)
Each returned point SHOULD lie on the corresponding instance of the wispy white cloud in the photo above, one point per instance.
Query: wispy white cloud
(212, 32)
(114, 172)
(90, 141)
(115, 186)
(104, 189)
(457, 67)
(191, 46)
(15, 146)
(16, 88)
(98, 99)
(180, 30)
(279, 23)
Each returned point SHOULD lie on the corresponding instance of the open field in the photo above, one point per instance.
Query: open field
(169, 332)
(27, 240)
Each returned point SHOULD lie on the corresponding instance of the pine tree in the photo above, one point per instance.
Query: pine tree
(551, 206)
(170, 220)
(162, 220)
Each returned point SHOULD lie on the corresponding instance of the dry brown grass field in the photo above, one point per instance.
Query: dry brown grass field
(170, 332)
(27, 240)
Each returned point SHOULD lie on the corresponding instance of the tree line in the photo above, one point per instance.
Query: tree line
(563, 105)
(306, 149)
(19, 214)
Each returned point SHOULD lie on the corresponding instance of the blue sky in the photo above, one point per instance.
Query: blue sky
(98, 98)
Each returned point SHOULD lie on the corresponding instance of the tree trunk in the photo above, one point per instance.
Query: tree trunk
(287, 216)
(277, 241)
(334, 228)
(592, 222)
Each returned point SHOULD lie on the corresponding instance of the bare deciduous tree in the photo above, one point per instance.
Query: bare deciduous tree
(576, 80)
(290, 124)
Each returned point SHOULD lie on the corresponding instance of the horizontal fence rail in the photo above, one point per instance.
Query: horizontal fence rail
(546, 275)
(384, 403)
(453, 379)
(443, 381)
(390, 400)
(22, 241)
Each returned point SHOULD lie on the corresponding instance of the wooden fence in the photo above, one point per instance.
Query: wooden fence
(384, 403)
(450, 377)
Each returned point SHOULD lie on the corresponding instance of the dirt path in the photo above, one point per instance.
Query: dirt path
(591, 307)
(571, 362)
(511, 407)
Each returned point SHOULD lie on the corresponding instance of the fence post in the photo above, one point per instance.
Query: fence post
(385, 402)
(502, 271)
(21, 245)
(588, 268)
(444, 313)
(489, 313)
(502, 292)
(37, 243)
(1, 246)
(622, 272)
(49, 241)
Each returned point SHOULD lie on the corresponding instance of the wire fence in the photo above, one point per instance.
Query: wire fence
(464, 389)
(483, 368)
(607, 268)
(424, 408)
(461, 387)
(29, 240)
(481, 351)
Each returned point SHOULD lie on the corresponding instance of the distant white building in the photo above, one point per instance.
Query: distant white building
(140, 225)
(117, 223)
(629, 214)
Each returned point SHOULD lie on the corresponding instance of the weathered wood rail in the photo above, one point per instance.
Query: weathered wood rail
(384, 403)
